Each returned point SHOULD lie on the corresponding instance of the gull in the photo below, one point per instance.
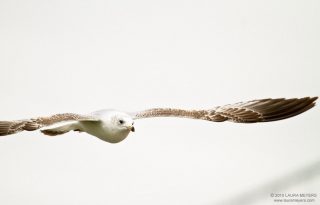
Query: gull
(113, 126)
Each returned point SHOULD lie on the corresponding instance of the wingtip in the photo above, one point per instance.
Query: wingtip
(314, 98)
(5, 128)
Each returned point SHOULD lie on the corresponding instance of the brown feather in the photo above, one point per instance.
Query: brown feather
(263, 110)
(12, 127)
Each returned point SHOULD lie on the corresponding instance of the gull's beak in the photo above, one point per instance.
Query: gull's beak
(131, 128)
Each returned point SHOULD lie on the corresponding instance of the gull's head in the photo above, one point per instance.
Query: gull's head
(123, 121)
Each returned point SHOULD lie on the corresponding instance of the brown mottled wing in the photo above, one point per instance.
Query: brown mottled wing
(12, 127)
(263, 110)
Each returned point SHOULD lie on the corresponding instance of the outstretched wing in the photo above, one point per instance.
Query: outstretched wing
(12, 127)
(263, 110)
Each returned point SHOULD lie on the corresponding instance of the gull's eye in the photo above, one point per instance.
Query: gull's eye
(121, 122)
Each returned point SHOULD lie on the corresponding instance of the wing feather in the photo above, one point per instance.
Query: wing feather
(263, 110)
(12, 127)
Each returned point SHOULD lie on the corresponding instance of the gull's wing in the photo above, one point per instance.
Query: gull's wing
(12, 127)
(263, 110)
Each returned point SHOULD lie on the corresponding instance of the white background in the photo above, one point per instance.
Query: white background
(80, 56)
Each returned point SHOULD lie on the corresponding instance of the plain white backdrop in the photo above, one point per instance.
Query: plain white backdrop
(80, 56)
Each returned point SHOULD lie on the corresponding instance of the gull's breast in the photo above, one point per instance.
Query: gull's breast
(104, 132)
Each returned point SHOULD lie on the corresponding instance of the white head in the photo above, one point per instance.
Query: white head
(122, 121)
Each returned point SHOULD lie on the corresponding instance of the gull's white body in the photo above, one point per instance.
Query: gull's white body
(105, 129)
(105, 126)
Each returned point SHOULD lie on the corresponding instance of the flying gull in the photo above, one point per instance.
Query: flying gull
(114, 126)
